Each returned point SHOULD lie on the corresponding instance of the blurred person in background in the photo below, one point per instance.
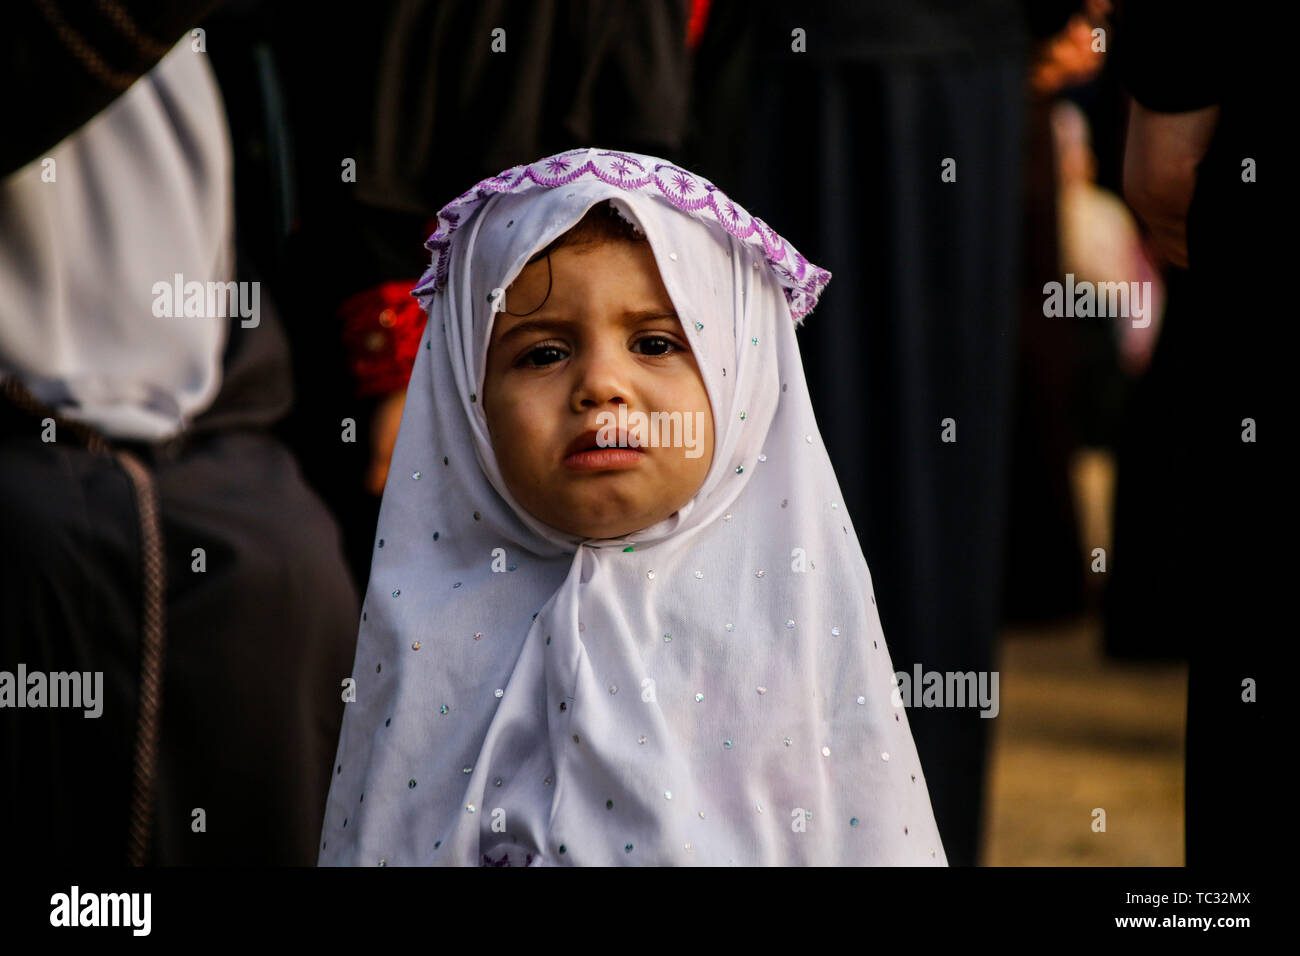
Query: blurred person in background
(155, 529)
(1044, 571)
(1199, 156)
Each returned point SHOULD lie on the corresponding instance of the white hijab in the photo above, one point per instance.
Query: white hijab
(712, 690)
(139, 194)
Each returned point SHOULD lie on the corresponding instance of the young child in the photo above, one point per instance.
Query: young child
(660, 654)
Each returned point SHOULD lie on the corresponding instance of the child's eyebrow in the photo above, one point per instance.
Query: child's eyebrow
(629, 317)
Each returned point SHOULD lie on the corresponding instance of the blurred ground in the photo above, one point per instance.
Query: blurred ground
(1077, 731)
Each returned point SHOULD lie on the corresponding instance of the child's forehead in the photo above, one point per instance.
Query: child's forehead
(592, 284)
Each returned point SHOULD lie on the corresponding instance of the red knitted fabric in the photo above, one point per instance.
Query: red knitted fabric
(382, 327)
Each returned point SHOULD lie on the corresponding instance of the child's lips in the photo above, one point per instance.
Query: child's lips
(591, 439)
(584, 441)
(604, 459)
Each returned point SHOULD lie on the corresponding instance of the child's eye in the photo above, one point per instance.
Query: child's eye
(546, 355)
(657, 341)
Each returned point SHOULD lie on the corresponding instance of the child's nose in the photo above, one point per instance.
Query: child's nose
(600, 378)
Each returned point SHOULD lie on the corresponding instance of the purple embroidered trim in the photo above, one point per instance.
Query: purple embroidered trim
(801, 281)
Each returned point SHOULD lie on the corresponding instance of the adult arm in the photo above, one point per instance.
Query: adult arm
(1175, 79)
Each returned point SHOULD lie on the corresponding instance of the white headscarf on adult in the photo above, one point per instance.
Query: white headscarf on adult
(140, 194)
(714, 689)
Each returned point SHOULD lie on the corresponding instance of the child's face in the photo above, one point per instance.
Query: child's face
(608, 335)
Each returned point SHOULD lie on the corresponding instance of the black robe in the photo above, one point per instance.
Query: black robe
(1198, 514)
(256, 645)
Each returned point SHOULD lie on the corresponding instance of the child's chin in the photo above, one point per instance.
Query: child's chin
(604, 532)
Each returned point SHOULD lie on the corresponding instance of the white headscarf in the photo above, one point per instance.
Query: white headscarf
(141, 193)
(714, 689)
